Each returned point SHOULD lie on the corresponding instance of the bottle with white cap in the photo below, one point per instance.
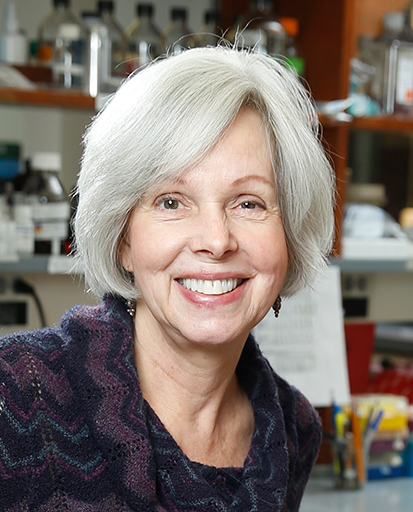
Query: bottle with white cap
(50, 203)
(13, 42)
(61, 45)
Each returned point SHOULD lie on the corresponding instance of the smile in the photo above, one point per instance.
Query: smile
(216, 287)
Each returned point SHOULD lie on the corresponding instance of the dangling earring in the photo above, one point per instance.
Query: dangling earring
(130, 307)
(130, 303)
(277, 306)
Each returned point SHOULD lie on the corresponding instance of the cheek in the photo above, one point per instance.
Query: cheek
(271, 253)
(152, 249)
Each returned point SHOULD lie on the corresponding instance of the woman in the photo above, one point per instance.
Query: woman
(204, 194)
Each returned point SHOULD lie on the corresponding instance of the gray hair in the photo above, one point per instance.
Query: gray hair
(165, 119)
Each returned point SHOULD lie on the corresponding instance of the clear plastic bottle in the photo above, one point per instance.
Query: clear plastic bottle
(263, 30)
(177, 34)
(50, 203)
(144, 38)
(62, 45)
(13, 42)
(117, 39)
(209, 34)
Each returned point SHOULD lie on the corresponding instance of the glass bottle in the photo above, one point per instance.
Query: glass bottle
(50, 204)
(177, 34)
(117, 38)
(391, 54)
(263, 30)
(209, 34)
(98, 58)
(144, 39)
(62, 45)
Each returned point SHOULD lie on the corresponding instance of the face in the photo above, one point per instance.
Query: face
(208, 251)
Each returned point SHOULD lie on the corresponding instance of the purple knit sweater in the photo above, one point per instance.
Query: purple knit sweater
(76, 433)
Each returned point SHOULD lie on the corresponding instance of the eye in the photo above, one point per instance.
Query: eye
(170, 204)
(248, 205)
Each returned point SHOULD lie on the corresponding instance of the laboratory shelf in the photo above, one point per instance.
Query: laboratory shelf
(39, 264)
(394, 123)
(44, 97)
(64, 264)
(371, 266)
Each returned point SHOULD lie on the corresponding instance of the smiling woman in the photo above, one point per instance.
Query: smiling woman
(204, 195)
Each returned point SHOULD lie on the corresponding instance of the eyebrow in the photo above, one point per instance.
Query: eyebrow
(239, 181)
(253, 177)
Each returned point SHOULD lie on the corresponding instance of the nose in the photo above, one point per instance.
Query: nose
(212, 234)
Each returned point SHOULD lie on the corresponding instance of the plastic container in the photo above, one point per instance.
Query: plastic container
(178, 36)
(209, 34)
(61, 45)
(144, 38)
(13, 42)
(117, 39)
(7, 232)
(262, 29)
(51, 208)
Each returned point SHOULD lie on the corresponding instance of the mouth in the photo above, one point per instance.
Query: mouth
(207, 287)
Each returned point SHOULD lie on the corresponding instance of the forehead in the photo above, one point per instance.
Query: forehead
(242, 153)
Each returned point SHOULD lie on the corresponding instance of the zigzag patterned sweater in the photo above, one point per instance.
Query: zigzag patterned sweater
(76, 433)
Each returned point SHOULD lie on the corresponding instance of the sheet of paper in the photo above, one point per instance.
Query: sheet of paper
(305, 344)
(10, 77)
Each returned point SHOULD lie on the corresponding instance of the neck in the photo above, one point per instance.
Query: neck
(194, 391)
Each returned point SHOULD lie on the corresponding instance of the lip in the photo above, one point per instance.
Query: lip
(216, 276)
(213, 301)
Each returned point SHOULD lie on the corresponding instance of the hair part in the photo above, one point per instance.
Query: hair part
(165, 119)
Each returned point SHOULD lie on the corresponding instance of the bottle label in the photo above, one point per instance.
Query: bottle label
(404, 82)
(50, 230)
(25, 239)
(51, 211)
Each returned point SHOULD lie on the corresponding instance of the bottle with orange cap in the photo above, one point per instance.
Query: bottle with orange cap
(292, 49)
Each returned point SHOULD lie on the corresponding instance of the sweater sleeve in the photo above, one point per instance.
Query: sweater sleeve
(304, 435)
(35, 418)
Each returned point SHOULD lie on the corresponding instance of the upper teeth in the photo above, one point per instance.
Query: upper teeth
(216, 287)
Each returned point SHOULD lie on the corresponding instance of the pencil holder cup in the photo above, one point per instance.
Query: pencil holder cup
(347, 463)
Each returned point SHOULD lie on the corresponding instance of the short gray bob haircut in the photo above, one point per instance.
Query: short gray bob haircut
(165, 119)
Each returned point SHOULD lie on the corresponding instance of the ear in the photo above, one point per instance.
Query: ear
(125, 255)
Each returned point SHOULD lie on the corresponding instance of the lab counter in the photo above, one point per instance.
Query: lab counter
(387, 495)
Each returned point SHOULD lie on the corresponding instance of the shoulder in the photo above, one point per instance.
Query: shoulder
(30, 356)
(32, 375)
(298, 411)
(300, 418)
(299, 424)
(34, 392)
(304, 435)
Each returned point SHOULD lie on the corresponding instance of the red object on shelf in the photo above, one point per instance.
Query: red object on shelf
(395, 381)
(359, 345)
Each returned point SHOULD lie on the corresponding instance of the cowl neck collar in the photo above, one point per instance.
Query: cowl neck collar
(144, 464)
